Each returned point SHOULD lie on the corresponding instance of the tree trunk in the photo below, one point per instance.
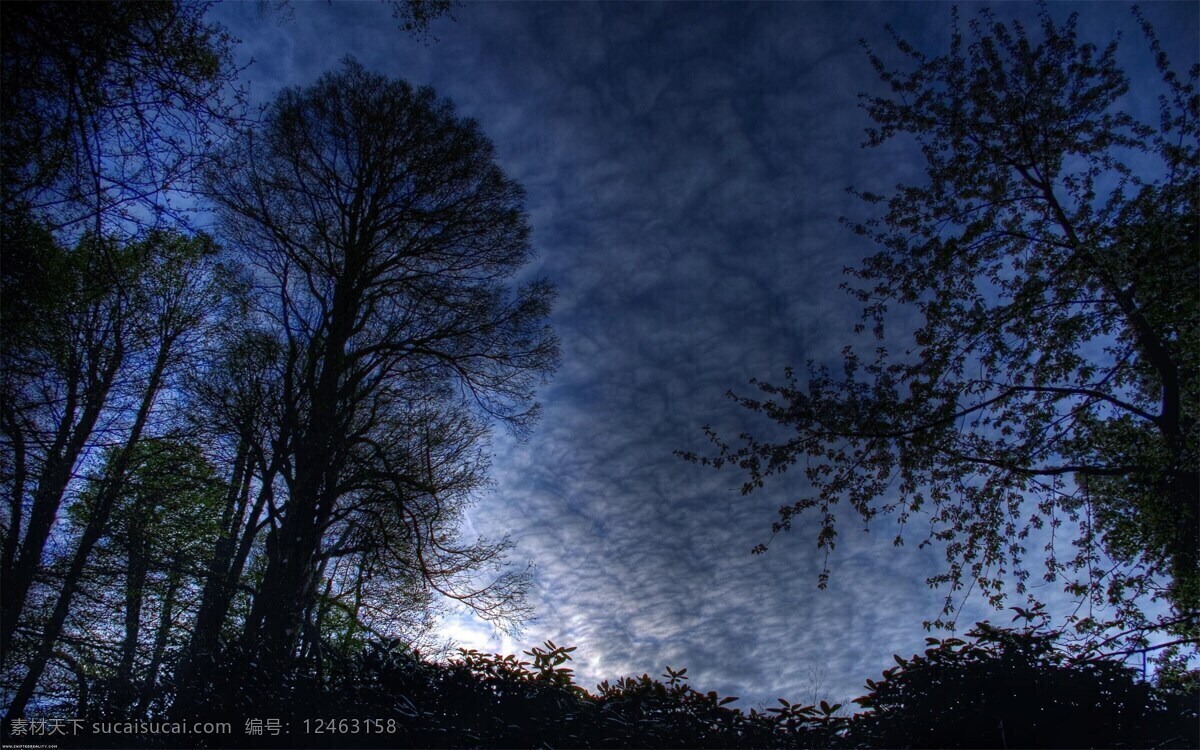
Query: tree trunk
(8, 556)
(150, 684)
(195, 667)
(135, 584)
(289, 584)
(70, 439)
(106, 497)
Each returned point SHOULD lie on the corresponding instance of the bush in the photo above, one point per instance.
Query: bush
(1002, 688)
(1017, 688)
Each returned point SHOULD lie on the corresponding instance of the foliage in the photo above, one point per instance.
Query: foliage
(161, 528)
(492, 700)
(109, 108)
(229, 489)
(1052, 256)
(1019, 688)
(415, 16)
(1004, 687)
(128, 317)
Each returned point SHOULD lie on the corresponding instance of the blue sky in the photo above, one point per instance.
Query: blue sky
(686, 165)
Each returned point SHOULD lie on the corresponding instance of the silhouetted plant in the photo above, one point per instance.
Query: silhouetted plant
(1000, 687)
(1019, 688)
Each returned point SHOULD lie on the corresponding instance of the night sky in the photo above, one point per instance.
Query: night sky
(686, 166)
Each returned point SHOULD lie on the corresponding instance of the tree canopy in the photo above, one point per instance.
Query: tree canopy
(1051, 256)
(109, 110)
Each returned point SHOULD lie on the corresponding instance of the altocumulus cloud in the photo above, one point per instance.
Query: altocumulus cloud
(685, 166)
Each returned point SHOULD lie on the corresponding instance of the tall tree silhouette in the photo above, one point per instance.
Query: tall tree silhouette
(383, 237)
(1053, 255)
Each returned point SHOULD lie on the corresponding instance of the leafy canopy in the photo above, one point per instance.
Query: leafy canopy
(1052, 381)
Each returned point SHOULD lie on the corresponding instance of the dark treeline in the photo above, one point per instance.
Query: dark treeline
(1003, 687)
(234, 461)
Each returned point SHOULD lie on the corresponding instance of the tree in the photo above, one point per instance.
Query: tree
(109, 114)
(65, 337)
(235, 407)
(109, 109)
(382, 238)
(144, 566)
(1052, 256)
